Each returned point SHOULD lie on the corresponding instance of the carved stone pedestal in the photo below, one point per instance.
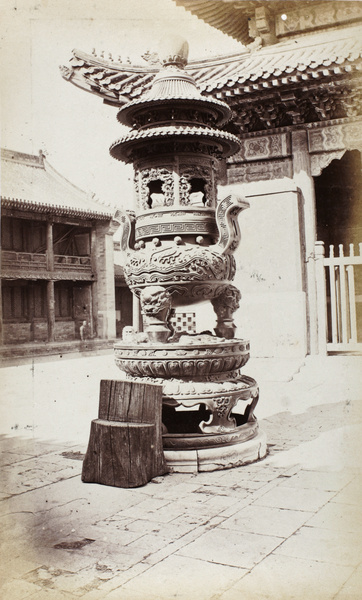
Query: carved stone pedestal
(219, 457)
(208, 405)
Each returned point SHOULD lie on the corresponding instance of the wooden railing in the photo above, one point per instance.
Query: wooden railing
(341, 303)
(18, 260)
(29, 260)
(72, 263)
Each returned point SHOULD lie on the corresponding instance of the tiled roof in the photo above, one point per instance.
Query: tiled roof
(234, 16)
(119, 270)
(311, 57)
(28, 182)
(221, 15)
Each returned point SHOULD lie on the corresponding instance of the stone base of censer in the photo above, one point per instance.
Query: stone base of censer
(208, 405)
(217, 457)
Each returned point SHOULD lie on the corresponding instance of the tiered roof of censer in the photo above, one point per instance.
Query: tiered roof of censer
(174, 109)
(173, 83)
(122, 148)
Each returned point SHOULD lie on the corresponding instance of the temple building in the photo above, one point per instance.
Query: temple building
(295, 93)
(57, 264)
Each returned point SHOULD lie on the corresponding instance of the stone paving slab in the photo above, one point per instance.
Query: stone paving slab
(288, 578)
(154, 543)
(351, 590)
(287, 527)
(321, 480)
(340, 517)
(180, 577)
(352, 493)
(234, 548)
(336, 547)
(265, 520)
(295, 498)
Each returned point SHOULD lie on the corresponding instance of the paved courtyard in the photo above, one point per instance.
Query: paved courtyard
(288, 527)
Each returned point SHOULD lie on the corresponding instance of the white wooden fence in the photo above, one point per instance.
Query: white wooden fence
(338, 299)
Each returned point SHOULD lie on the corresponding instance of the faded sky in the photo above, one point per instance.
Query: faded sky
(40, 110)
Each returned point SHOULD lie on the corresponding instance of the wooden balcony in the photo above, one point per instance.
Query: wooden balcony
(23, 260)
(28, 262)
(72, 263)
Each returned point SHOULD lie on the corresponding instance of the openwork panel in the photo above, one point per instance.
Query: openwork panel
(155, 187)
(197, 185)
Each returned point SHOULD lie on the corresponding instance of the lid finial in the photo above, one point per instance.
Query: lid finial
(174, 50)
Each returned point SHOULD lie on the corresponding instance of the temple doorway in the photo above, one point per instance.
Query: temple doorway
(339, 226)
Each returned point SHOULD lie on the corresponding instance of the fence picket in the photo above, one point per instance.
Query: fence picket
(343, 300)
(332, 285)
(340, 270)
(352, 304)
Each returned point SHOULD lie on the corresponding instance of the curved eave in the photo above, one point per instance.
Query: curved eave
(240, 83)
(121, 148)
(300, 75)
(119, 83)
(25, 205)
(79, 81)
(306, 61)
(223, 16)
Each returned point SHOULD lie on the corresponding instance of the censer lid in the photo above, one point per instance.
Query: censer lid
(173, 85)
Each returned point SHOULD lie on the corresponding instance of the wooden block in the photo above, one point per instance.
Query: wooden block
(125, 444)
(119, 454)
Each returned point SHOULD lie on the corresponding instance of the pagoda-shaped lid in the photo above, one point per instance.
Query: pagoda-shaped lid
(174, 86)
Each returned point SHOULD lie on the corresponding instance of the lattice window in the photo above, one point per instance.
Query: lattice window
(184, 322)
(63, 293)
(15, 300)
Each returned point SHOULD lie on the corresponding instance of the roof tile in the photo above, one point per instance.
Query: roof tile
(32, 181)
(307, 55)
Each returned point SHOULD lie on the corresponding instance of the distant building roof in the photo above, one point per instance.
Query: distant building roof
(304, 79)
(225, 16)
(119, 272)
(30, 183)
(271, 19)
(316, 56)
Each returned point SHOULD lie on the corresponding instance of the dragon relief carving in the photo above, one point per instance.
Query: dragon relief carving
(224, 306)
(185, 269)
(178, 263)
(156, 306)
(184, 188)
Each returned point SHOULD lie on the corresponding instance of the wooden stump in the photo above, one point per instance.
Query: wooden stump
(125, 443)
